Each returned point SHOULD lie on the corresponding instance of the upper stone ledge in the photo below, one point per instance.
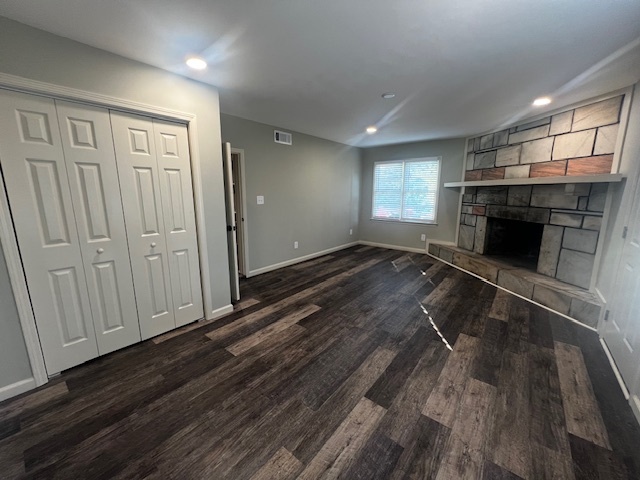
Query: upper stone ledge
(600, 178)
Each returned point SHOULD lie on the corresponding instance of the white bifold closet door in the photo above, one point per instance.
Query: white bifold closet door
(64, 196)
(155, 177)
(95, 191)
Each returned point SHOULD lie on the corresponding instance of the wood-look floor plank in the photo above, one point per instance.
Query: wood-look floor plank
(508, 443)
(422, 457)
(501, 305)
(376, 460)
(518, 327)
(322, 423)
(592, 462)
(384, 391)
(442, 290)
(422, 279)
(271, 330)
(338, 453)
(400, 423)
(282, 466)
(486, 367)
(464, 452)
(581, 409)
(548, 463)
(548, 425)
(491, 471)
(442, 405)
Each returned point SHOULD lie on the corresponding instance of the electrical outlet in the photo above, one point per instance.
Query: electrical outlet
(260, 200)
(295, 244)
(423, 238)
(351, 231)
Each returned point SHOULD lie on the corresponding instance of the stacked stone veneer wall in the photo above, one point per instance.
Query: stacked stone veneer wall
(576, 142)
(571, 214)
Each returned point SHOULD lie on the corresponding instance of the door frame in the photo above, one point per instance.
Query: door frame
(243, 259)
(7, 232)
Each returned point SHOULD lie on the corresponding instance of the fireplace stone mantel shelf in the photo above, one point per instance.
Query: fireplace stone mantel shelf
(603, 178)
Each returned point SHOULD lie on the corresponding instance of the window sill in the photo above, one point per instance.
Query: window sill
(410, 222)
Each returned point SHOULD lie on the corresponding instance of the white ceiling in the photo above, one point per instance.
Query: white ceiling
(319, 67)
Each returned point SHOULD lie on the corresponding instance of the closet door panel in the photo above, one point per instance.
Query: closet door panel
(141, 197)
(180, 225)
(93, 177)
(37, 185)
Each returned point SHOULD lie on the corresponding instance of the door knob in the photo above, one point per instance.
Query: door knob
(100, 250)
(153, 244)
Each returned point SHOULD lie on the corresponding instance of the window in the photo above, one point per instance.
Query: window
(406, 190)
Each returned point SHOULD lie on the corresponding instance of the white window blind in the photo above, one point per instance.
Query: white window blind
(406, 190)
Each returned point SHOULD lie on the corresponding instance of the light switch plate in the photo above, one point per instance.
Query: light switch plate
(260, 200)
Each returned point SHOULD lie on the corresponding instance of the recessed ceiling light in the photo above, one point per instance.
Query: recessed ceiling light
(539, 102)
(196, 63)
(388, 95)
(372, 129)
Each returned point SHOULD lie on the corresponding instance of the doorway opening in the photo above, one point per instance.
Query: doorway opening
(237, 173)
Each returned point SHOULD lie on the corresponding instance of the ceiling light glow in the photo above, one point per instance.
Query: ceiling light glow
(196, 63)
(539, 102)
(388, 95)
(372, 129)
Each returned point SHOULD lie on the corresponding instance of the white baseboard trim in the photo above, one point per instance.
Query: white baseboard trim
(600, 296)
(615, 368)
(17, 388)
(516, 294)
(219, 312)
(393, 247)
(293, 261)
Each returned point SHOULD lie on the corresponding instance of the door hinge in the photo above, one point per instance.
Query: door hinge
(624, 232)
(606, 315)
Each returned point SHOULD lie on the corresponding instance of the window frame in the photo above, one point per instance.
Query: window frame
(404, 162)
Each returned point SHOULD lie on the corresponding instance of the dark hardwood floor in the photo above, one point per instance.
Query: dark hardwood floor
(363, 364)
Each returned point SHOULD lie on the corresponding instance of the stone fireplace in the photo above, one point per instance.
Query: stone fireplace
(533, 203)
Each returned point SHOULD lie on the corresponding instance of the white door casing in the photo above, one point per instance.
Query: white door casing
(176, 189)
(38, 189)
(93, 178)
(136, 160)
(232, 239)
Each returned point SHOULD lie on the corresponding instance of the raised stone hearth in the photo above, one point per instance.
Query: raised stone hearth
(574, 302)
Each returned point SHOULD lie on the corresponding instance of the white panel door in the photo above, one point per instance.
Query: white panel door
(622, 330)
(93, 178)
(38, 189)
(141, 198)
(176, 188)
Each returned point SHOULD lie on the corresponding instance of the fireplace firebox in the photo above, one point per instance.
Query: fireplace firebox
(514, 240)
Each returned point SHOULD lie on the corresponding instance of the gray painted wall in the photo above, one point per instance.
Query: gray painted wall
(14, 361)
(311, 191)
(37, 55)
(408, 234)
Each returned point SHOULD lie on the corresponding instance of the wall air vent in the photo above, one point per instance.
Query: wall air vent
(282, 137)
